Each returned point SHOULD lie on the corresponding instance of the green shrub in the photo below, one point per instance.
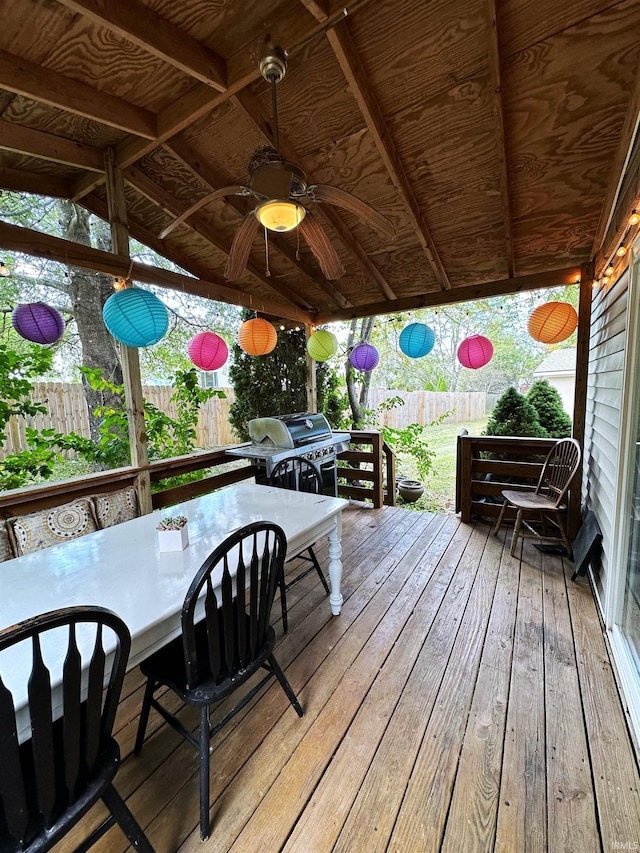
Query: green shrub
(548, 404)
(514, 415)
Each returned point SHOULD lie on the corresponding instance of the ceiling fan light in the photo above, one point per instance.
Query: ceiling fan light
(278, 215)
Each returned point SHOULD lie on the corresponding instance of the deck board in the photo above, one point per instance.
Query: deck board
(463, 700)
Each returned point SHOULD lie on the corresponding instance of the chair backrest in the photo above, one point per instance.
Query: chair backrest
(559, 469)
(246, 568)
(297, 475)
(87, 649)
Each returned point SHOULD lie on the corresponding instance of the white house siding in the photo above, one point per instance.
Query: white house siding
(603, 414)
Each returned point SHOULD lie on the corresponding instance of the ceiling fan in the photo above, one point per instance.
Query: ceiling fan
(283, 196)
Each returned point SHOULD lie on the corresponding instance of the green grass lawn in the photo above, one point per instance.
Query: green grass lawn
(439, 495)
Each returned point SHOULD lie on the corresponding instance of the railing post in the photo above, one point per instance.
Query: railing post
(463, 478)
(378, 491)
(390, 459)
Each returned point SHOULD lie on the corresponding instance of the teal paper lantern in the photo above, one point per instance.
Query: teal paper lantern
(417, 340)
(135, 317)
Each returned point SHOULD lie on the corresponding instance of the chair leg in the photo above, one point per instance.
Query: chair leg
(127, 822)
(516, 532)
(319, 570)
(205, 736)
(291, 696)
(283, 603)
(496, 529)
(144, 715)
(563, 533)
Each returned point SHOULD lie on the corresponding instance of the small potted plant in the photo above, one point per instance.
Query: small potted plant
(173, 533)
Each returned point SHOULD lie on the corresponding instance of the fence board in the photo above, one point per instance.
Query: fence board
(67, 411)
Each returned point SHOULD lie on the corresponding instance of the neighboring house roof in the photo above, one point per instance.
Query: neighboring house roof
(560, 361)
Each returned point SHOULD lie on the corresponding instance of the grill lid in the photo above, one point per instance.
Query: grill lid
(289, 430)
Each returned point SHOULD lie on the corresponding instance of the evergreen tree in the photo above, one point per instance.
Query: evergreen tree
(276, 383)
(548, 404)
(514, 415)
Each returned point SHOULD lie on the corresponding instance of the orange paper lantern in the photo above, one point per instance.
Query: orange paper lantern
(257, 337)
(552, 322)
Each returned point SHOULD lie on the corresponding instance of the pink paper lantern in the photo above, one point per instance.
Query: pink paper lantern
(475, 351)
(208, 351)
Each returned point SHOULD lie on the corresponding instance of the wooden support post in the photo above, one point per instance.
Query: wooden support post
(580, 397)
(378, 467)
(128, 355)
(312, 385)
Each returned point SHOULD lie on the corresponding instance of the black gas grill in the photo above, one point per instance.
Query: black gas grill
(305, 434)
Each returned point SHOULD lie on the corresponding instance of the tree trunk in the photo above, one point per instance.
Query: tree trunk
(358, 402)
(88, 292)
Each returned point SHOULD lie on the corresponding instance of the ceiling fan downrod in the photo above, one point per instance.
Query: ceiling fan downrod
(273, 66)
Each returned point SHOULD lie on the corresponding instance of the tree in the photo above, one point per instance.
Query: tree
(548, 404)
(275, 384)
(514, 415)
(358, 400)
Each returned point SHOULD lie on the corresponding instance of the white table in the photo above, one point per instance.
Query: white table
(122, 568)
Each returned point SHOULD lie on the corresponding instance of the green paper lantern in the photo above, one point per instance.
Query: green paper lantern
(322, 345)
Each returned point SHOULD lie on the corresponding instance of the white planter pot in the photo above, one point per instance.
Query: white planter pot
(174, 540)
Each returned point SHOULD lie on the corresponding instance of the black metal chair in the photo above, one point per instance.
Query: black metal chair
(547, 500)
(298, 475)
(226, 638)
(48, 782)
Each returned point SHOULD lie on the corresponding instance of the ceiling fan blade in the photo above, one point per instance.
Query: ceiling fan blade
(241, 246)
(364, 211)
(322, 249)
(234, 189)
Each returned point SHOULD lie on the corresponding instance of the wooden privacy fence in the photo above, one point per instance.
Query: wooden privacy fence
(423, 407)
(67, 412)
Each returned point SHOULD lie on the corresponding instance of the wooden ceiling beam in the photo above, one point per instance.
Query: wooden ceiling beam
(619, 166)
(154, 193)
(317, 8)
(20, 181)
(140, 25)
(498, 117)
(344, 49)
(253, 112)
(213, 179)
(465, 293)
(46, 146)
(16, 239)
(47, 86)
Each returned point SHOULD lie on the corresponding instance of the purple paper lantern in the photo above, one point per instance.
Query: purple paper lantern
(364, 357)
(38, 322)
(475, 351)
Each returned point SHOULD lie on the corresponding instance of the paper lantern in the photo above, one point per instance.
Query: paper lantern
(135, 317)
(552, 322)
(417, 340)
(38, 322)
(322, 345)
(208, 351)
(475, 351)
(257, 337)
(364, 357)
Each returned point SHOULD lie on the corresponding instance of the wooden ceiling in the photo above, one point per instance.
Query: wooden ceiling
(492, 133)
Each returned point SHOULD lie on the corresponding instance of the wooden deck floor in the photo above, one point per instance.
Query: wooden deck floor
(462, 701)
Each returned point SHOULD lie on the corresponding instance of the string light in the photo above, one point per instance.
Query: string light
(634, 218)
(4, 269)
(621, 250)
(609, 270)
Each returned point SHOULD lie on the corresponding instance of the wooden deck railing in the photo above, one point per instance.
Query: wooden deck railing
(486, 465)
(45, 495)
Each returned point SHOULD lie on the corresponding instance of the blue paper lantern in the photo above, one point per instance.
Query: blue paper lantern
(135, 317)
(417, 340)
(364, 357)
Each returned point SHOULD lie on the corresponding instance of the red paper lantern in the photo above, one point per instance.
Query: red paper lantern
(475, 351)
(208, 351)
(552, 322)
(257, 337)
